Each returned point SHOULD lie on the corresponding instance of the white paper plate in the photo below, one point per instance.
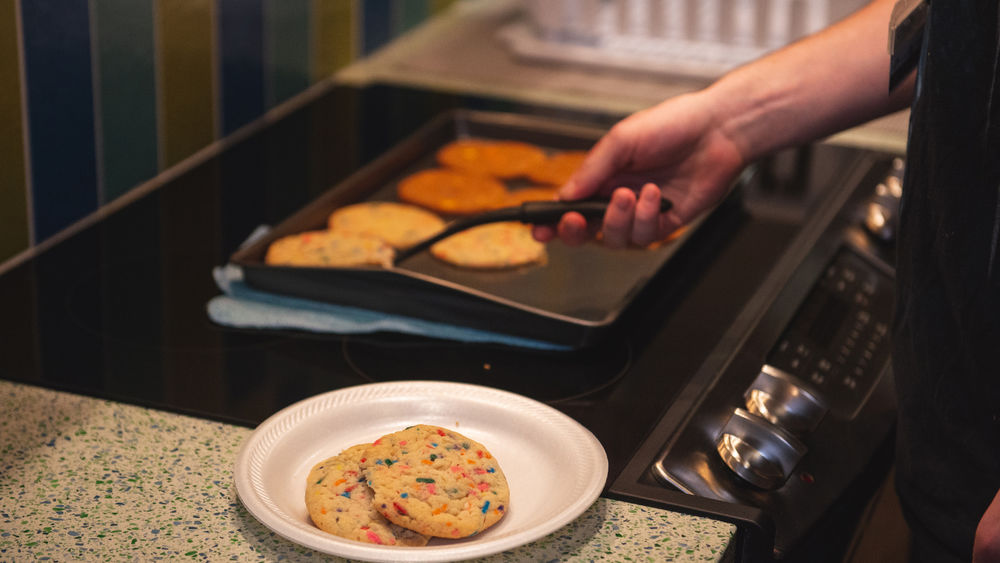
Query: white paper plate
(555, 467)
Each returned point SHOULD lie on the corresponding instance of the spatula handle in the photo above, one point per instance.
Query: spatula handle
(552, 211)
(527, 212)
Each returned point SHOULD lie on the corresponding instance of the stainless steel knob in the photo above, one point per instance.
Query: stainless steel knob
(881, 215)
(776, 397)
(757, 451)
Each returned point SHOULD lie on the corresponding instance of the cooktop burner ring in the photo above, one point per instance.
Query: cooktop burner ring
(552, 377)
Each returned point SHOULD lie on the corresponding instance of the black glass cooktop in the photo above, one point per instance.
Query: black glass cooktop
(117, 310)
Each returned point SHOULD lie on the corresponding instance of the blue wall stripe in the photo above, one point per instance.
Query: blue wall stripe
(241, 45)
(286, 55)
(60, 112)
(376, 24)
(126, 90)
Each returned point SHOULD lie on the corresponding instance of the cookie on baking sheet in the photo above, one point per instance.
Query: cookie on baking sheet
(670, 238)
(453, 192)
(656, 243)
(398, 224)
(557, 168)
(503, 159)
(491, 246)
(327, 248)
(436, 481)
(340, 502)
(534, 193)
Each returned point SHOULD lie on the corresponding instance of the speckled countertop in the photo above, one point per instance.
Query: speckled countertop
(83, 479)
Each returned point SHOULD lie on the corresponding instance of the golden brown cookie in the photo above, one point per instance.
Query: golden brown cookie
(556, 169)
(340, 502)
(327, 248)
(503, 159)
(436, 482)
(534, 193)
(490, 246)
(398, 224)
(452, 191)
(670, 238)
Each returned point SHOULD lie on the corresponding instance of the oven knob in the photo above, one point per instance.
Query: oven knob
(776, 397)
(881, 216)
(759, 452)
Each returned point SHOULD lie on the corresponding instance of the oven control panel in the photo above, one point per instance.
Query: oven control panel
(837, 344)
(827, 359)
(795, 405)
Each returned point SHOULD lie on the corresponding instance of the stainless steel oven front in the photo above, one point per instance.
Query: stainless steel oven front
(795, 403)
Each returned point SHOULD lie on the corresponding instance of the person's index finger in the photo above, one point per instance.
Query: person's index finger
(571, 191)
(600, 164)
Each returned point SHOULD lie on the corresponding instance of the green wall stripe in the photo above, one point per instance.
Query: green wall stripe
(14, 229)
(126, 90)
(185, 33)
(408, 14)
(334, 36)
(286, 50)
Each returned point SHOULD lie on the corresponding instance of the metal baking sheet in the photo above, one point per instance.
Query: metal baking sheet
(573, 299)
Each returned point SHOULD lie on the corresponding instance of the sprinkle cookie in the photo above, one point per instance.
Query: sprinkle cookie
(491, 246)
(327, 248)
(398, 224)
(453, 192)
(502, 159)
(340, 502)
(435, 481)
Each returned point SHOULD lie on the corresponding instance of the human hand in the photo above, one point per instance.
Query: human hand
(986, 547)
(674, 150)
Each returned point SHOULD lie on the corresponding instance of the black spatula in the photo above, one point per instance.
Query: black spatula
(527, 212)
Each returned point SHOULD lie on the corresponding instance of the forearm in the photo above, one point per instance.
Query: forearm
(820, 85)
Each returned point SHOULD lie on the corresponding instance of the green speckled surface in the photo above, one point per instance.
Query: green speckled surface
(91, 480)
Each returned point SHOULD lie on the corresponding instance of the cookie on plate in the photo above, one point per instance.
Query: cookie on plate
(453, 192)
(436, 481)
(556, 169)
(503, 159)
(327, 248)
(491, 246)
(340, 502)
(398, 224)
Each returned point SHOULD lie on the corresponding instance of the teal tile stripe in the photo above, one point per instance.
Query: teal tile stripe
(126, 90)
(286, 49)
(409, 14)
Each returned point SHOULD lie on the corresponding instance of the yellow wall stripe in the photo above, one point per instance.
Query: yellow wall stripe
(334, 36)
(438, 6)
(185, 47)
(14, 229)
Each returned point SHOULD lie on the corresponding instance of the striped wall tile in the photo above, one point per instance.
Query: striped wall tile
(334, 40)
(57, 60)
(438, 6)
(376, 28)
(98, 96)
(408, 14)
(185, 32)
(241, 62)
(126, 94)
(14, 234)
(286, 49)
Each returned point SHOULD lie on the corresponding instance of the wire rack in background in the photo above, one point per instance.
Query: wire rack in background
(700, 38)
